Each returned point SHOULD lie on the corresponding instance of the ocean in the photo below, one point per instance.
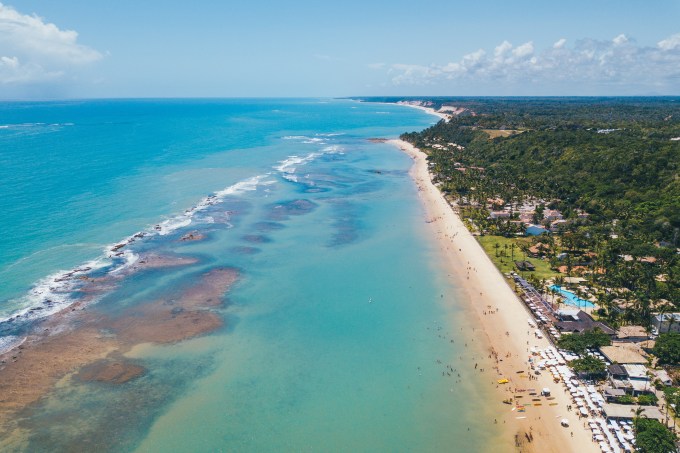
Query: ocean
(341, 333)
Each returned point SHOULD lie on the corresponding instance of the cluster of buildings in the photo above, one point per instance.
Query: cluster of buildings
(627, 359)
(550, 220)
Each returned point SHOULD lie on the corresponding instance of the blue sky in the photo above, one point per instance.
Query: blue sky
(81, 48)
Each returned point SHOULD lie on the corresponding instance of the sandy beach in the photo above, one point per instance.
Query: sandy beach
(500, 322)
(428, 110)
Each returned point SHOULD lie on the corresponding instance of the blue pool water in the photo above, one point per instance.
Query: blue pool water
(571, 298)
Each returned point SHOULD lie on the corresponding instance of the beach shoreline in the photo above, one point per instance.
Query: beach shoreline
(428, 110)
(504, 332)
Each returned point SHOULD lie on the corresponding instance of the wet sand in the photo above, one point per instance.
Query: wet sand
(499, 320)
(91, 346)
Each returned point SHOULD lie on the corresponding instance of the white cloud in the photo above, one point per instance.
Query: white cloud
(621, 39)
(502, 49)
(524, 50)
(559, 44)
(619, 62)
(32, 50)
(12, 71)
(670, 43)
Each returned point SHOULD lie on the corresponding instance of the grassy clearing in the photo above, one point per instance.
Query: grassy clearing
(493, 133)
(504, 259)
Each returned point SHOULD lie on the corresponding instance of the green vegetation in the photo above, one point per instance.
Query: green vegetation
(625, 399)
(673, 398)
(607, 164)
(589, 365)
(579, 342)
(653, 437)
(647, 400)
(503, 251)
(667, 348)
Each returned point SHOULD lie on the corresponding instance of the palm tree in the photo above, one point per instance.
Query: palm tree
(639, 412)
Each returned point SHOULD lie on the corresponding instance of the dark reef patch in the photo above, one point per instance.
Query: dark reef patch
(283, 210)
(244, 250)
(113, 372)
(256, 238)
(266, 227)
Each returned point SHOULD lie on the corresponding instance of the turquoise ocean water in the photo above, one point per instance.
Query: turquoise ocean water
(338, 334)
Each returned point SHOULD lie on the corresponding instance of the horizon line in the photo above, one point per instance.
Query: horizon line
(350, 97)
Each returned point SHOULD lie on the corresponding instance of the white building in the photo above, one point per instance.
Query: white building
(665, 323)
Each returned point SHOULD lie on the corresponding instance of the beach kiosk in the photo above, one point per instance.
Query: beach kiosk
(545, 391)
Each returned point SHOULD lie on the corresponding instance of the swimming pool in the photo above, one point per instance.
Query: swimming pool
(571, 298)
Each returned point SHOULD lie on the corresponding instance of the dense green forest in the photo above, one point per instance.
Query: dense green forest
(561, 151)
(613, 159)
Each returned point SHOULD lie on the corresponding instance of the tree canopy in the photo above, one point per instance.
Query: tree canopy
(579, 342)
(589, 365)
(611, 166)
(653, 437)
(667, 348)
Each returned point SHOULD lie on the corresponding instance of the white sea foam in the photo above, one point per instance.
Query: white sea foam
(129, 258)
(10, 342)
(305, 139)
(247, 185)
(54, 292)
(290, 164)
(47, 296)
(171, 225)
(27, 125)
(333, 149)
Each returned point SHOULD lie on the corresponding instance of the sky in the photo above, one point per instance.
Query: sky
(299, 48)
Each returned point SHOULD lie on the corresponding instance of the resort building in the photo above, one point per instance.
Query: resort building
(632, 334)
(527, 217)
(665, 323)
(623, 354)
(611, 395)
(538, 250)
(627, 412)
(578, 321)
(662, 376)
(629, 378)
(499, 215)
(552, 214)
(525, 266)
(556, 225)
